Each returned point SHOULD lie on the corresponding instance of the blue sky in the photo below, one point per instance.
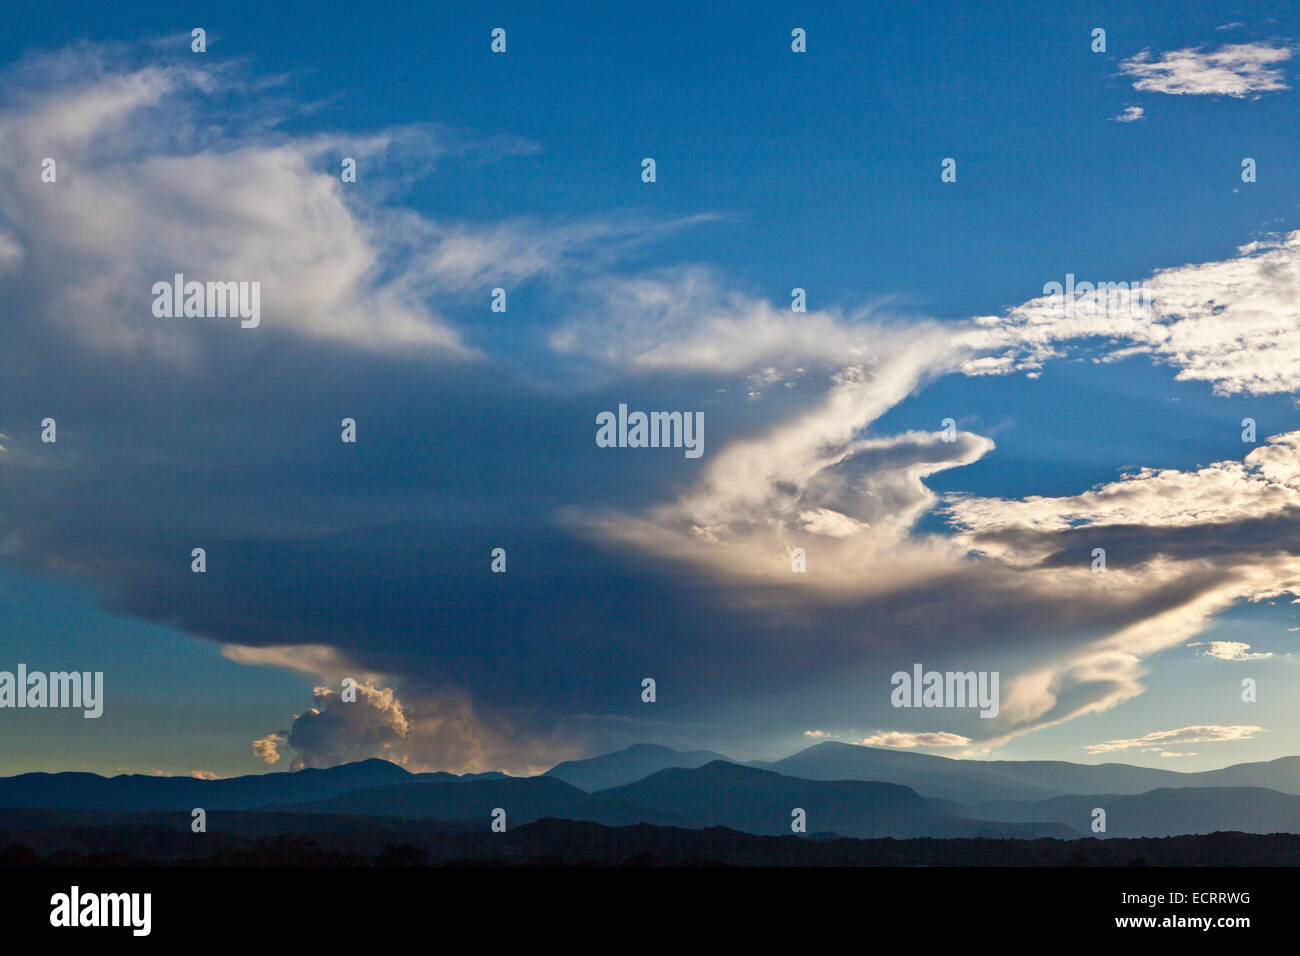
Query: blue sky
(775, 170)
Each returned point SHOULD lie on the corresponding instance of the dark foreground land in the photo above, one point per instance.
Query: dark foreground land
(40, 838)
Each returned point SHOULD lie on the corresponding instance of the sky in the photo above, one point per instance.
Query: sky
(945, 441)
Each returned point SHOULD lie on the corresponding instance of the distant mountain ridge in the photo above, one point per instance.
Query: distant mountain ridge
(971, 782)
(759, 801)
(720, 793)
(845, 789)
(627, 766)
(90, 791)
(1164, 812)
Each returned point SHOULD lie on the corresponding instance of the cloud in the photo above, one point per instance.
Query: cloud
(1230, 651)
(428, 733)
(1236, 69)
(906, 741)
(370, 561)
(1262, 489)
(1204, 733)
(142, 196)
(335, 731)
(686, 319)
(267, 749)
(476, 257)
(1232, 323)
(853, 503)
(1166, 579)
(314, 660)
(851, 508)
(203, 775)
(810, 479)
(1131, 114)
(1181, 547)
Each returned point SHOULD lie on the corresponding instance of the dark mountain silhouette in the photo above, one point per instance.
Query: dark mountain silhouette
(642, 845)
(718, 794)
(845, 789)
(257, 838)
(524, 799)
(89, 791)
(1163, 812)
(627, 766)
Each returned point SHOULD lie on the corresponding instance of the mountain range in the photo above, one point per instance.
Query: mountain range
(843, 789)
(971, 782)
(718, 794)
(628, 766)
(90, 791)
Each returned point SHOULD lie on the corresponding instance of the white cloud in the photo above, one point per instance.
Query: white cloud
(151, 183)
(1202, 733)
(314, 660)
(686, 319)
(1237, 69)
(905, 741)
(1264, 485)
(134, 204)
(1131, 114)
(1229, 651)
(1234, 323)
(475, 257)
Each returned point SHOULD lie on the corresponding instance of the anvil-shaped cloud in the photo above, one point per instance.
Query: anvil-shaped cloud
(374, 558)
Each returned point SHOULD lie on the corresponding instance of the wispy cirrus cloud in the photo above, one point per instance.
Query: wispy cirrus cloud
(136, 202)
(1197, 734)
(172, 168)
(904, 740)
